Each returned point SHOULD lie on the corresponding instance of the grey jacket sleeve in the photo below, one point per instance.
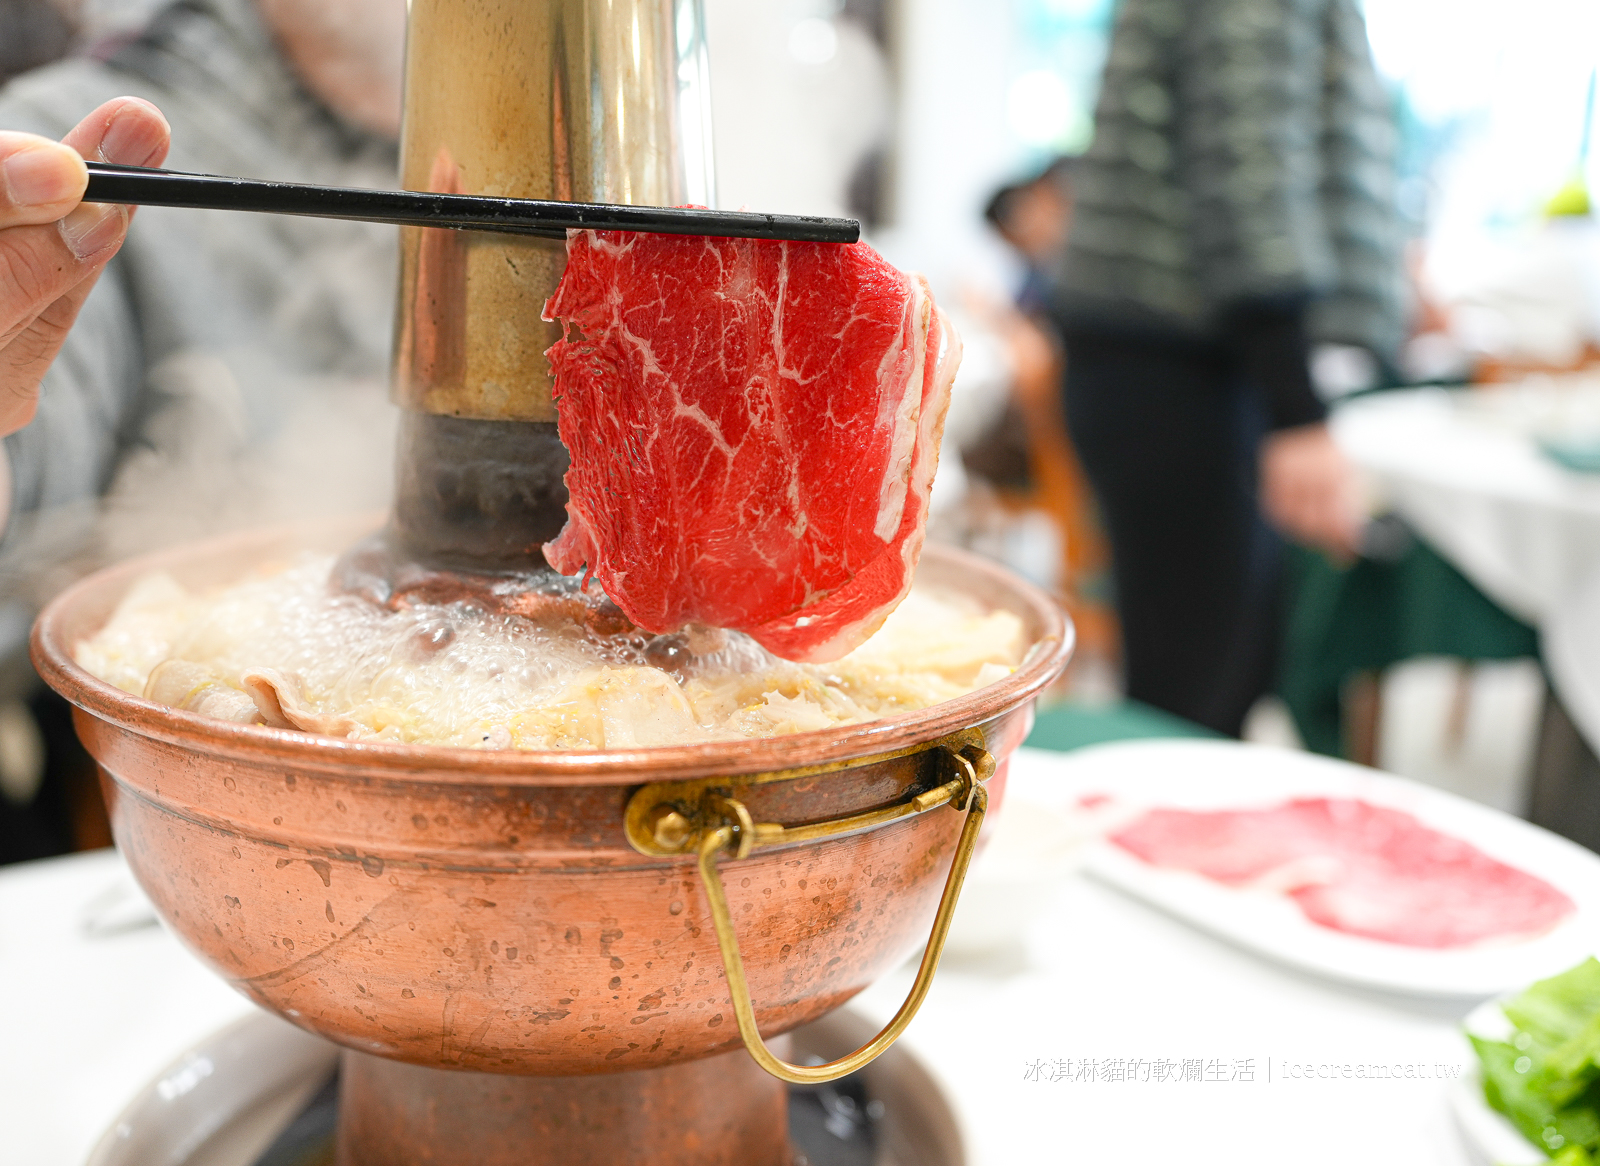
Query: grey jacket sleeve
(65, 455)
(61, 462)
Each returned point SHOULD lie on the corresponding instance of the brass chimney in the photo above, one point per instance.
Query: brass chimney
(578, 100)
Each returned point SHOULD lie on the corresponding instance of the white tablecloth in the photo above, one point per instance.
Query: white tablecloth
(1465, 471)
(1098, 979)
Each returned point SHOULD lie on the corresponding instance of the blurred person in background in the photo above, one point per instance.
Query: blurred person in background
(1236, 207)
(1035, 217)
(1028, 451)
(179, 372)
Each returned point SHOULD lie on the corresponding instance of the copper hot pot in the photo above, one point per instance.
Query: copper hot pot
(543, 957)
(545, 914)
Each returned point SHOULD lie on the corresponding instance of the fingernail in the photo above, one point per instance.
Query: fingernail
(125, 141)
(92, 228)
(40, 177)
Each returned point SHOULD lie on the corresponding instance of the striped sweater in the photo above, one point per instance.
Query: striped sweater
(1243, 154)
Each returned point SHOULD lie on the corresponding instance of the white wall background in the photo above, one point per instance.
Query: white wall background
(792, 120)
(954, 145)
(797, 99)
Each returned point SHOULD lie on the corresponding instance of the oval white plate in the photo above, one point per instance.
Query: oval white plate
(1204, 775)
(224, 1101)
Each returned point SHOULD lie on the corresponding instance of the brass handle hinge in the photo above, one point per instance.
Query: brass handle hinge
(721, 824)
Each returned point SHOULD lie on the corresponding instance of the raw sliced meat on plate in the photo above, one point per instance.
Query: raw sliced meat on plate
(754, 428)
(1354, 867)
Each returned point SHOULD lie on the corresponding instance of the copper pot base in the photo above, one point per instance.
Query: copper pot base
(718, 1111)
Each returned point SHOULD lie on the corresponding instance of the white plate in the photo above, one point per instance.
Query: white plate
(224, 1101)
(1204, 775)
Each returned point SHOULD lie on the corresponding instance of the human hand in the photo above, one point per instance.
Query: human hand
(52, 245)
(1310, 492)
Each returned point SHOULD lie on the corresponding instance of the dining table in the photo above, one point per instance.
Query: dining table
(1502, 482)
(1478, 473)
(1091, 1028)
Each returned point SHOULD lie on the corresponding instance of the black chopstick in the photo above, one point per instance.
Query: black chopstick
(138, 186)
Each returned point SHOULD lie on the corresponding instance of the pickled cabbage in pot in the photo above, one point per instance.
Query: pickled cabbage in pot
(279, 648)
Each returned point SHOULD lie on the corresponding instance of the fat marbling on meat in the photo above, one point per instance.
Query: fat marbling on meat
(754, 428)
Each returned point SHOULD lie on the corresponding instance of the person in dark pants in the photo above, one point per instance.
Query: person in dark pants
(1235, 207)
(1168, 431)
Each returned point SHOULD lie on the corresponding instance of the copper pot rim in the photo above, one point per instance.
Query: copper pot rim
(53, 658)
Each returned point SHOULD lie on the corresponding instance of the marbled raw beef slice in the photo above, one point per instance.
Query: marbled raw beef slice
(754, 428)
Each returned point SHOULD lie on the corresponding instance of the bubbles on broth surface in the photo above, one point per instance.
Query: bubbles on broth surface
(458, 674)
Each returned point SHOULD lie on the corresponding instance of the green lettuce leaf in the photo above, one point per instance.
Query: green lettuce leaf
(1572, 1066)
(1571, 1156)
(1554, 1011)
(1546, 1078)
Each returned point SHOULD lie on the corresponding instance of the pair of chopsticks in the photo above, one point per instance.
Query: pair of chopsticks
(140, 186)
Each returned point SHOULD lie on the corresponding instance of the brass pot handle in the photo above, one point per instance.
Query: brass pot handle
(739, 834)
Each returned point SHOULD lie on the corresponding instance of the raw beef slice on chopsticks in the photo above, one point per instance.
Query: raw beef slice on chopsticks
(754, 428)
